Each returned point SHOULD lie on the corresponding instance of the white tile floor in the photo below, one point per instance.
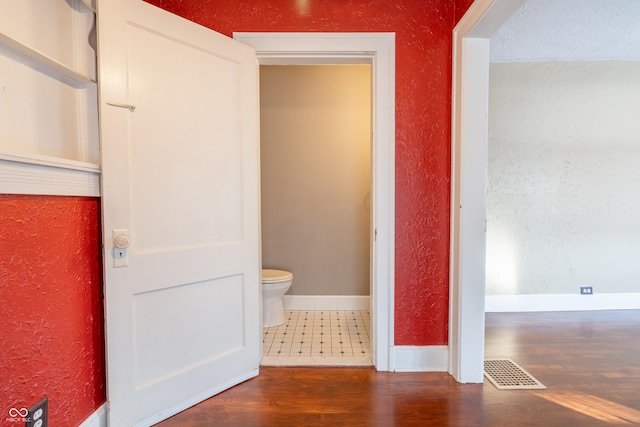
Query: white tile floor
(314, 338)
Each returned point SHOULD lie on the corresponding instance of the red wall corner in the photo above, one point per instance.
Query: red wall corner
(51, 315)
(461, 8)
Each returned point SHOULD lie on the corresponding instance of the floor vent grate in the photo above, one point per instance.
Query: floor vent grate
(506, 374)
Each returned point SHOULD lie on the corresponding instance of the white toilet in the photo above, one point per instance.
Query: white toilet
(274, 285)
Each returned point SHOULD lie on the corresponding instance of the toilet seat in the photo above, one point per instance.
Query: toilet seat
(276, 276)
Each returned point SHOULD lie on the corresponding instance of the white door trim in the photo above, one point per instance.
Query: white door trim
(469, 126)
(377, 49)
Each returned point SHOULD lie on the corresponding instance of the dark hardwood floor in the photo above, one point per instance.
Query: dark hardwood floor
(589, 361)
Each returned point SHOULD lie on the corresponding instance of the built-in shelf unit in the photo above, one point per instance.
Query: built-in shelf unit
(49, 141)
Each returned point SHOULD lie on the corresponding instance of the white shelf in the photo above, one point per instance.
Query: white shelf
(55, 162)
(42, 63)
(72, 92)
(44, 175)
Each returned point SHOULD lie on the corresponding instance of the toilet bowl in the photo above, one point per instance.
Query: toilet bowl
(274, 285)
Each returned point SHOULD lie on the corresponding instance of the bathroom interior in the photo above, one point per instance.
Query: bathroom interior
(315, 165)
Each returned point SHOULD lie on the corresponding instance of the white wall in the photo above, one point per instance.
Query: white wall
(316, 168)
(48, 100)
(564, 178)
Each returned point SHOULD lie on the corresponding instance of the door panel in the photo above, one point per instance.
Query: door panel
(180, 180)
(215, 168)
(169, 351)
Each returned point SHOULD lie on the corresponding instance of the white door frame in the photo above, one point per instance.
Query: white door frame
(377, 49)
(469, 141)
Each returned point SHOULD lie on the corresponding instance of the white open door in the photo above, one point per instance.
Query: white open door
(179, 136)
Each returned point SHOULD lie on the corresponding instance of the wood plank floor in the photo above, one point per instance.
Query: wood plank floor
(589, 361)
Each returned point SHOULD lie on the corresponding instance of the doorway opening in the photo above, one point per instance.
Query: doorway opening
(469, 139)
(378, 50)
(315, 155)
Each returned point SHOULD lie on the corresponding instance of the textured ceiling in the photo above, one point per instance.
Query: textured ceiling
(570, 30)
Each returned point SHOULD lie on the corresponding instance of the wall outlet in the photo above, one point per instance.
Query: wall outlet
(38, 415)
(586, 290)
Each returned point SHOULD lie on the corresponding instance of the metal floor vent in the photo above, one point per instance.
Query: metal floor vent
(506, 374)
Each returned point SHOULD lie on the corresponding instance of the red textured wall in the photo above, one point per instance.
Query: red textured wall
(51, 339)
(423, 103)
(461, 7)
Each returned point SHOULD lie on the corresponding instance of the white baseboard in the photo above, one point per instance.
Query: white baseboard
(97, 419)
(408, 358)
(561, 302)
(326, 302)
